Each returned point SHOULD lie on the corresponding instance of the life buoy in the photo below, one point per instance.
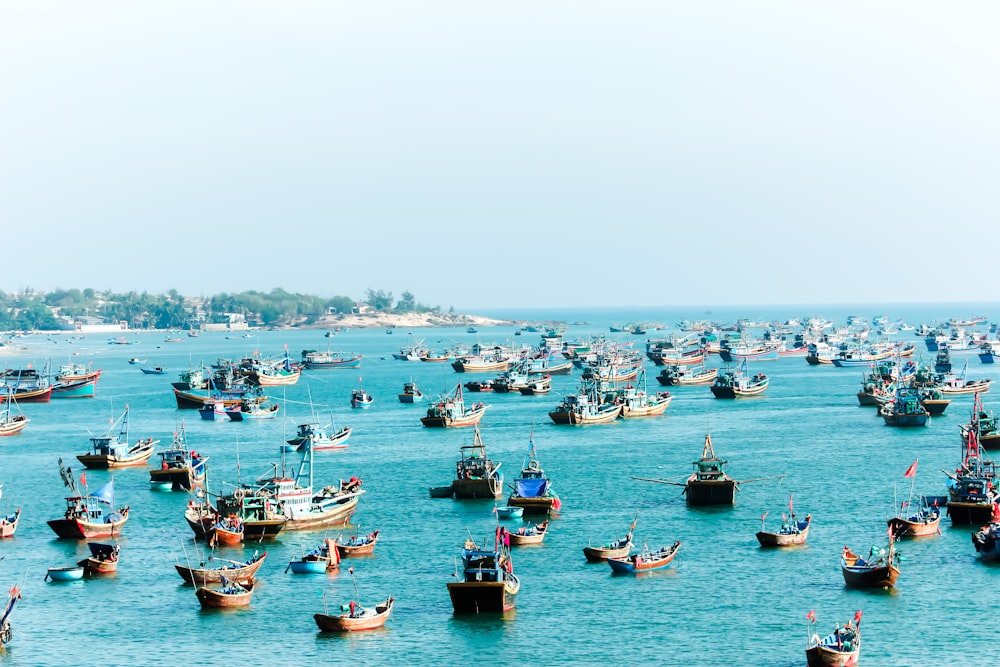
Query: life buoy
(239, 494)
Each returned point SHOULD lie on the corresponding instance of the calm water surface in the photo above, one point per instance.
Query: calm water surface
(724, 602)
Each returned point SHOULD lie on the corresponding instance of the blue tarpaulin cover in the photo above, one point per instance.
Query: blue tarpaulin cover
(531, 488)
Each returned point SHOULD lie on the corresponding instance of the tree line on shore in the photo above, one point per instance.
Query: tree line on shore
(61, 308)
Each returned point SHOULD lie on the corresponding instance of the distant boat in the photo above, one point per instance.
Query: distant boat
(8, 524)
(533, 490)
(319, 437)
(411, 394)
(89, 516)
(646, 560)
(136, 360)
(450, 411)
(316, 360)
(736, 383)
(159, 370)
(11, 424)
(356, 545)
(361, 398)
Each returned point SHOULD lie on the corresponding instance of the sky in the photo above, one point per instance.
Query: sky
(503, 154)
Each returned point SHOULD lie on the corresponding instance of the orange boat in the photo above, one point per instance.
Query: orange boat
(358, 618)
(103, 560)
(358, 545)
(230, 594)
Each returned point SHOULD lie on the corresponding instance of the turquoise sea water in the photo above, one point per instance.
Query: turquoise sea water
(725, 601)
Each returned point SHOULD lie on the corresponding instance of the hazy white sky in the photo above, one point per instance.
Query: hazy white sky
(560, 153)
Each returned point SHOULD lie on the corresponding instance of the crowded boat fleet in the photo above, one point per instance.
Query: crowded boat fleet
(909, 375)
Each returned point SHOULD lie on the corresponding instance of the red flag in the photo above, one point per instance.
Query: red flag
(911, 471)
(857, 616)
(83, 478)
(996, 513)
(811, 616)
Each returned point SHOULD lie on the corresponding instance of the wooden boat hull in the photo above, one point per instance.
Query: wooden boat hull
(104, 462)
(92, 567)
(819, 656)
(442, 491)
(537, 505)
(783, 539)
(8, 524)
(75, 529)
(866, 399)
(344, 622)
(277, 380)
(30, 395)
(227, 538)
(702, 493)
(202, 576)
(478, 488)
(348, 550)
(601, 554)
(14, 426)
(253, 530)
(902, 528)
(474, 597)
(635, 564)
(936, 406)
(577, 419)
(468, 419)
(878, 577)
(906, 419)
(969, 514)
(653, 410)
(337, 515)
(973, 387)
(518, 539)
(74, 388)
(410, 398)
(214, 599)
(470, 367)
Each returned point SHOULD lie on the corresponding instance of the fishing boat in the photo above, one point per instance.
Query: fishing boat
(66, 573)
(477, 386)
(361, 398)
(229, 593)
(677, 375)
(533, 491)
(709, 484)
(646, 560)
(985, 424)
(793, 531)
(135, 361)
(250, 410)
(973, 487)
(315, 360)
(905, 408)
(213, 571)
(450, 411)
(6, 630)
(322, 559)
(76, 387)
(637, 402)
(528, 534)
(112, 450)
(487, 582)
(358, 618)
(495, 362)
(961, 385)
(357, 545)
(923, 521)
(8, 523)
(24, 385)
(221, 411)
(476, 476)
(933, 400)
(227, 532)
(537, 386)
(260, 518)
(156, 370)
(879, 570)
(743, 350)
(411, 394)
(88, 516)
(306, 509)
(615, 549)
(942, 360)
(11, 424)
(739, 383)
(103, 559)
(320, 437)
(840, 648)
(590, 405)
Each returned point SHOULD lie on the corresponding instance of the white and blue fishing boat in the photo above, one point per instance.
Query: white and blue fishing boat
(181, 468)
(318, 360)
(533, 490)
